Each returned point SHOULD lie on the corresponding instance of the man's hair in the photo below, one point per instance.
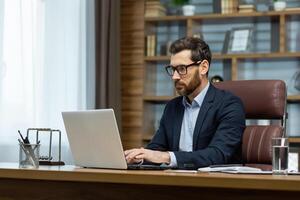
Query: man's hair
(199, 49)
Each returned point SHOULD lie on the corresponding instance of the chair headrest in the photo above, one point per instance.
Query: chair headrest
(262, 99)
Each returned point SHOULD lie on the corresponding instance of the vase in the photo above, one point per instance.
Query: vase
(188, 10)
(279, 5)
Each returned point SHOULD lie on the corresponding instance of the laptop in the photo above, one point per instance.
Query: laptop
(95, 140)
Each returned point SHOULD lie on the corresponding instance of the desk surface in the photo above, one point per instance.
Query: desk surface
(207, 180)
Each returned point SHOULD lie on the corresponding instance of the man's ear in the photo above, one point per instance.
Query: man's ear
(204, 67)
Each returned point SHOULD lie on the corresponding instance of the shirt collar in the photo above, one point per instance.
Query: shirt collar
(198, 100)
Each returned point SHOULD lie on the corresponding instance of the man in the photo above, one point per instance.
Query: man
(201, 127)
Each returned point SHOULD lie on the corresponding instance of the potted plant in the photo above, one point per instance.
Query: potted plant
(187, 9)
(279, 5)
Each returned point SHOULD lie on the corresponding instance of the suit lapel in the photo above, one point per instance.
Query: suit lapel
(206, 105)
(177, 126)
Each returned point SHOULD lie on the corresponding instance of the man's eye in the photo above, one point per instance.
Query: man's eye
(181, 68)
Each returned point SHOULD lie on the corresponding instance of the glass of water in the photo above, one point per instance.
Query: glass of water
(280, 150)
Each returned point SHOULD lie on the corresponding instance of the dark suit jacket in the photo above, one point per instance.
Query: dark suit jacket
(218, 131)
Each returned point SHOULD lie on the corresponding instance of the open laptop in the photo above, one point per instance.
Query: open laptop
(95, 140)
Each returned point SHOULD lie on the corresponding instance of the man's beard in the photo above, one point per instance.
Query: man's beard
(185, 90)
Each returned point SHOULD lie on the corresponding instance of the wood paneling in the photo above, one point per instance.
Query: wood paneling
(134, 25)
(132, 54)
(132, 87)
(132, 103)
(132, 119)
(134, 73)
(135, 57)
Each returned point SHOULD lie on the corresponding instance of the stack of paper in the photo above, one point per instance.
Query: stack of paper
(233, 169)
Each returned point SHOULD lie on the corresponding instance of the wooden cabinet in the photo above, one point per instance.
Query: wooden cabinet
(275, 54)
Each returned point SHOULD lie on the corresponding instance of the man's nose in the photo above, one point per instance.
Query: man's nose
(175, 75)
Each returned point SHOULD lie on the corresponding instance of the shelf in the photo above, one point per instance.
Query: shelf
(294, 139)
(274, 31)
(293, 98)
(166, 18)
(231, 56)
(256, 55)
(219, 15)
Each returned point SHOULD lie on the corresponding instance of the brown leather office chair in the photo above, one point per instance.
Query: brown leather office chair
(262, 99)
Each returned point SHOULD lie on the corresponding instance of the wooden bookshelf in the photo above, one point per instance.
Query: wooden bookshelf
(293, 98)
(238, 56)
(139, 71)
(234, 58)
(294, 141)
(257, 55)
(231, 61)
(222, 16)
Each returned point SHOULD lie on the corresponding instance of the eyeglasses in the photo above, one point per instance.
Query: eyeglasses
(181, 69)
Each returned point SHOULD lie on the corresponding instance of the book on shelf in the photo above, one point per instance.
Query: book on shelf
(153, 2)
(229, 6)
(246, 8)
(292, 9)
(155, 13)
(154, 9)
(151, 45)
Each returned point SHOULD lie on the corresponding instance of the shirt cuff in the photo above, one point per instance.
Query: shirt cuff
(141, 162)
(173, 161)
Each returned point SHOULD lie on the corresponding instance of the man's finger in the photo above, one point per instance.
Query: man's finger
(140, 157)
(129, 150)
(126, 152)
(133, 154)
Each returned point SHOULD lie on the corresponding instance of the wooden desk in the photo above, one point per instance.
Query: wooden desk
(69, 182)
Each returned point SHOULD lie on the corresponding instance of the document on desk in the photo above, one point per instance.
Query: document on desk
(234, 169)
(248, 172)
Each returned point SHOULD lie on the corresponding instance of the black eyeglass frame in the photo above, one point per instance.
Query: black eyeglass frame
(184, 66)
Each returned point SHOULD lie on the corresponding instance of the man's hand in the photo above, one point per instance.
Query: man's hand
(138, 155)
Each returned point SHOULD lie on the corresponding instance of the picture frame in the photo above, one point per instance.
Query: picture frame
(238, 40)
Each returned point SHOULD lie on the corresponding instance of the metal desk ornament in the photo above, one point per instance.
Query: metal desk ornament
(48, 159)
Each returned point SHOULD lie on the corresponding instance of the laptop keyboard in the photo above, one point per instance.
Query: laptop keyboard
(148, 167)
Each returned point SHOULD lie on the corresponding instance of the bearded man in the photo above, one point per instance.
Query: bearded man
(201, 127)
